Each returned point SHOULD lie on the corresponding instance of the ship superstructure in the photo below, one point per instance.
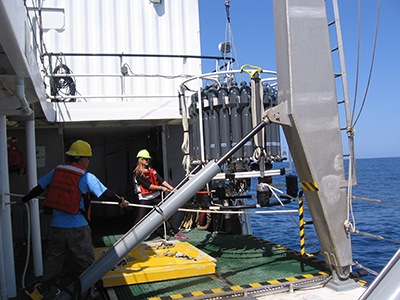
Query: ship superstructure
(127, 75)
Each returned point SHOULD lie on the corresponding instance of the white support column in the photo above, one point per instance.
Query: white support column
(3, 282)
(7, 269)
(34, 203)
(164, 152)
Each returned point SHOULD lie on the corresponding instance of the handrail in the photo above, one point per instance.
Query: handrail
(50, 54)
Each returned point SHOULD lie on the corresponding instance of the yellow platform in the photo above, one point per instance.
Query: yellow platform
(155, 261)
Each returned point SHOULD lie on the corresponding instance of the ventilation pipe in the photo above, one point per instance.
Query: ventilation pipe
(34, 203)
(20, 93)
(32, 176)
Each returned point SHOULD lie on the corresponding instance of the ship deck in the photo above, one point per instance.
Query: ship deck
(245, 266)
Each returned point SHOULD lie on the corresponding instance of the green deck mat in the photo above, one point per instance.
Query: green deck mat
(241, 261)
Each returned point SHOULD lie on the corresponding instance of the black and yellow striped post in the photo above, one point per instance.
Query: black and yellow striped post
(306, 186)
(301, 224)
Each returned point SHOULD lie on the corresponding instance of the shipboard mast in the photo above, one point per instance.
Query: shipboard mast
(307, 109)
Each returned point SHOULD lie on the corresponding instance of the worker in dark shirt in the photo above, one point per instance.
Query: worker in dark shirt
(148, 184)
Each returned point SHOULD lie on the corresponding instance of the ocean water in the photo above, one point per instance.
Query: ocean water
(378, 178)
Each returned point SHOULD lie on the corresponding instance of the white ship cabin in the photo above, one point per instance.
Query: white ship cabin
(105, 72)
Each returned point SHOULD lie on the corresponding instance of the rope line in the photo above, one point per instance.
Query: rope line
(181, 209)
(358, 265)
(375, 200)
(371, 67)
(381, 238)
(350, 226)
(274, 190)
(358, 60)
(206, 211)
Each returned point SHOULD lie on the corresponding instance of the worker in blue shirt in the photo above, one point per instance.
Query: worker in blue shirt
(65, 186)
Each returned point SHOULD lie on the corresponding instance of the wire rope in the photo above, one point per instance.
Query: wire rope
(358, 59)
(378, 237)
(205, 210)
(236, 57)
(273, 190)
(372, 64)
(375, 200)
(229, 39)
(358, 265)
(180, 209)
(230, 35)
(186, 138)
(348, 224)
(42, 49)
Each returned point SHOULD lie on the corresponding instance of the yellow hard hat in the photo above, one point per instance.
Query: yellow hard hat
(80, 148)
(143, 153)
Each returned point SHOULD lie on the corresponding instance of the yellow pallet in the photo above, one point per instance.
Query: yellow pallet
(155, 261)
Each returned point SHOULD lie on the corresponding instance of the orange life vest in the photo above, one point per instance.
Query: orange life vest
(64, 193)
(16, 161)
(150, 175)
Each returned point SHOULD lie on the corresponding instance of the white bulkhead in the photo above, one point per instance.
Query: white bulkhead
(127, 57)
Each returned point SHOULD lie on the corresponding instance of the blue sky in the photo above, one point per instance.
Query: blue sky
(377, 130)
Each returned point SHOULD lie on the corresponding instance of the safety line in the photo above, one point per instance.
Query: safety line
(375, 200)
(375, 236)
(180, 209)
